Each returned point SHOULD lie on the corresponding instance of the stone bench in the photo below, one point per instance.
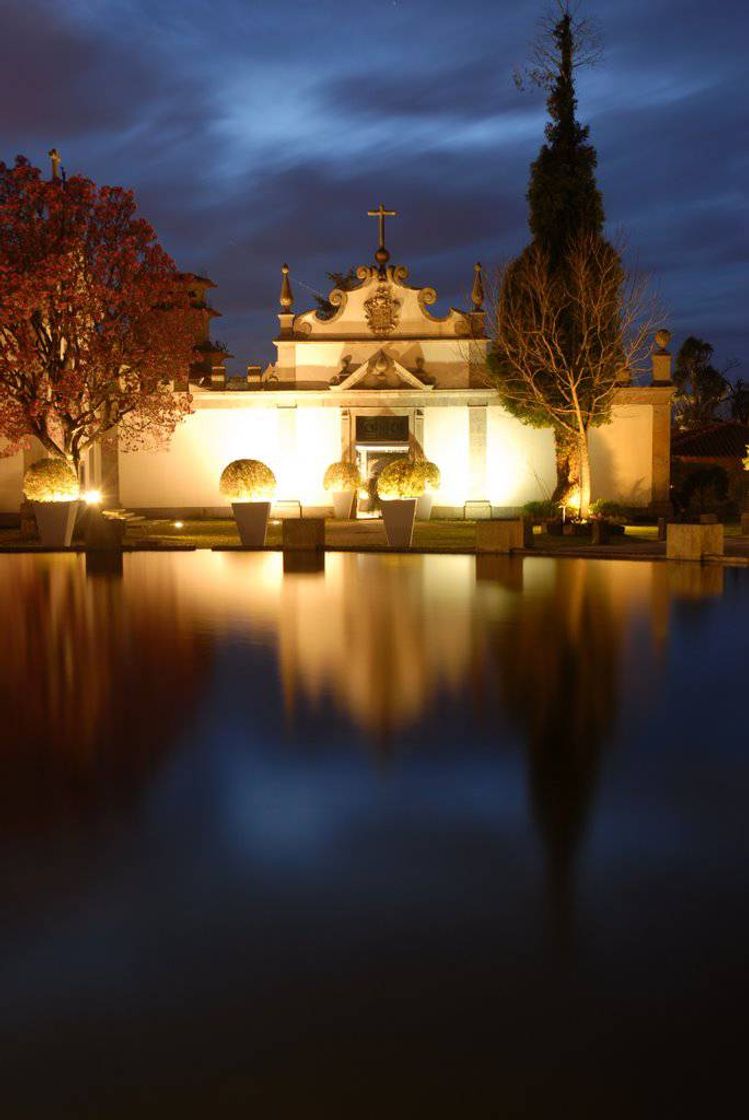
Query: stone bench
(693, 542)
(499, 536)
(303, 534)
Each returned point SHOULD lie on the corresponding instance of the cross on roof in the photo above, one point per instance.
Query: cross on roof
(382, 256)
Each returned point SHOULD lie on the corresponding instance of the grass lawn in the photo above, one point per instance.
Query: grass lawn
(438, 536)
(366, 535)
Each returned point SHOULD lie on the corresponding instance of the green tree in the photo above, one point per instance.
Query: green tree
(566, 218)
(739, 401)
(563, 197)
(701, 389)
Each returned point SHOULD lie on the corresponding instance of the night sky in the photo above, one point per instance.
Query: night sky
(255, 132)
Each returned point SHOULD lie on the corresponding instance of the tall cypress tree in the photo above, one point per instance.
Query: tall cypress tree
(565, 206)
(563, 197)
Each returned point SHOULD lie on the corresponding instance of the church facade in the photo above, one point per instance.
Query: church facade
(376, 375)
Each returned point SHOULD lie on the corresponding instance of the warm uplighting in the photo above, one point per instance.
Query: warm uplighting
(574, 501)
(92, 497)
(50, 480)
(179, 524)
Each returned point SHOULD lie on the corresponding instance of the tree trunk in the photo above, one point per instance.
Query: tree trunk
(567, 451)
(584, 460)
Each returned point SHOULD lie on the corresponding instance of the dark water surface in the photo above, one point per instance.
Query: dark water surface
(406, 838)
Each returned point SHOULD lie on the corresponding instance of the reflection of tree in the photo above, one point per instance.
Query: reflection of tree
(558, 671)
(97, 676)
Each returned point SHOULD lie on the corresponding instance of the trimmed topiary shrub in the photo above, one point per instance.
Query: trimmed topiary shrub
(432, 475)
(403, 478)
(342, 477)
(50, 480)
(248, 480)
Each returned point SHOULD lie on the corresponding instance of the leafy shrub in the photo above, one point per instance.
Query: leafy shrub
(613, 511)
(50, 480)
(705, 489)
(403, 478)
(432, 474)
(541, 509)
(342, 476)
(248, 480)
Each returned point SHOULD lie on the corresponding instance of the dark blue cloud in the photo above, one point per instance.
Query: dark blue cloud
(255, 133)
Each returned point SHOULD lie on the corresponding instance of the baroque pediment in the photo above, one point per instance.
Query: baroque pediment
(382, 305)
(380, 371)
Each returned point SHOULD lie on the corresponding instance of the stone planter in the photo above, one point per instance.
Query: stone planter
(499, 535)
(55, 521)
(252, 522)
(398, 517)
(343, 504)
(693, 542)
(424, 507)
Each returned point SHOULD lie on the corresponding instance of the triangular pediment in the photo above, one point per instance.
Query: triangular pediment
(380, 371)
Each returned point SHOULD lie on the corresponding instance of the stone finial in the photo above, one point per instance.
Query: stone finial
(661, 358)
(662, 339)
(286, 299)
(55, 159)
(477, 292)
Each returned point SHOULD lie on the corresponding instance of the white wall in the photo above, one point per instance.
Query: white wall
(11, 480)
(446, 444)
(299, 443)
(621, 456)
(520, 464)
(296, 443)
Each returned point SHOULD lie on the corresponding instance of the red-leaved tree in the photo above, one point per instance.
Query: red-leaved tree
(94, 322)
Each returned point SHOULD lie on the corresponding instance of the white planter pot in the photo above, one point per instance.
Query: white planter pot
(55, 521)
(398, 515)
(252, 522)
(343, 504)
(424, 507)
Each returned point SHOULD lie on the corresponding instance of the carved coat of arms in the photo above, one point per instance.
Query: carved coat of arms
(382, 311)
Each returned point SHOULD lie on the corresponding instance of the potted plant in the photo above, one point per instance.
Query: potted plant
(51, 485)
(343, 481)
(399, 486)
(250, 485)
(432, 480)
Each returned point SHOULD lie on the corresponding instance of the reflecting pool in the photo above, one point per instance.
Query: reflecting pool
(409, 836)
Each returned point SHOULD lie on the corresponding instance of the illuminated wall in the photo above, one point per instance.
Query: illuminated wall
(621, 456)
(520, 465)
(11, 481)
(317, 444)
(296, 443)
(446, 444)
(483, 453)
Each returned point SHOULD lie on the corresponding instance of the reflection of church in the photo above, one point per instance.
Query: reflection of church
(375, 375)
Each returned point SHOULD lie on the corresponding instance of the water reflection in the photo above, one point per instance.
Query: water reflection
(101, 665)
(559, 672)
(97, 677)
(264, 888)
